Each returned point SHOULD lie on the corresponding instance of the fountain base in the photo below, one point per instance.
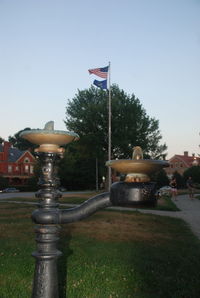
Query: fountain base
(134, 193)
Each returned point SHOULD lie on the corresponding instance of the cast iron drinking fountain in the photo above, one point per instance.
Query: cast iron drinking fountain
(136, 188)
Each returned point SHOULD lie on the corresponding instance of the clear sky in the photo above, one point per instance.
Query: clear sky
(47, 47)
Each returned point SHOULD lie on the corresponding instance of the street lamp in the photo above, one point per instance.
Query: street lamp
(195, 162)
(48, 216)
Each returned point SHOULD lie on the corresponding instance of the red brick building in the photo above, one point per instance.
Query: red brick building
(15, 165)
(180, 163)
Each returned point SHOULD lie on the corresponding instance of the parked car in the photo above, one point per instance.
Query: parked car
(165, 190)
(62, 189)
(10, 189)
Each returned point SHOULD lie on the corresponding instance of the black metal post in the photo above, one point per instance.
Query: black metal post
(46, 278)
(47, 217)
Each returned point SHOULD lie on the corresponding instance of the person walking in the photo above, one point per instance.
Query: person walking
(190, 187)
(173, 185)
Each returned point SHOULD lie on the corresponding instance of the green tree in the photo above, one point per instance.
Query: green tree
(1, 140)
(161, 178)
(194, 172)
(77, 171)
(87, 115)
(179, 179)
(21, 143)
(3, 182)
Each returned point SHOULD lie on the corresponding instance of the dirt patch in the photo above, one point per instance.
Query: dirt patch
(80, 195)
(120, 227)
(15, 213)
(102, 226)
(161, 202)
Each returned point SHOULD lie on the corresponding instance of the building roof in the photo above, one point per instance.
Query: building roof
(186, 159)
(14, 153)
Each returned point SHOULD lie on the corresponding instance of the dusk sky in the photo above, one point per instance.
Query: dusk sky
(47, 47)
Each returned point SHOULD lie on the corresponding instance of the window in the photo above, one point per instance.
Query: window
(26, 169)
(31, 169)
(17, 168)
(9, 169)
(26, 159)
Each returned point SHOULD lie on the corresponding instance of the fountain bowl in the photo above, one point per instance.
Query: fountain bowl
(137, 169)
(48, 139)
(146, 166)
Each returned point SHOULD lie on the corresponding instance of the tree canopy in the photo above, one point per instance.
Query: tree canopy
(160, 178)
(193, 172)
(21, 143)
(87, 115)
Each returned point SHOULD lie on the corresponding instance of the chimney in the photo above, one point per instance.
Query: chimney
(185, 153)
(193, 154)
(6, 146)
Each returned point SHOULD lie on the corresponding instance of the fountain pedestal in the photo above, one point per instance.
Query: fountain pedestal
(45, 283)
(137, 189)
(133, 193)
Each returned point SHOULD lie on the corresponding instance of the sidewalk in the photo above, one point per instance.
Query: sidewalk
(190, 212)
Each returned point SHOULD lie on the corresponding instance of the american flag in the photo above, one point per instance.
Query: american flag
(100, 72)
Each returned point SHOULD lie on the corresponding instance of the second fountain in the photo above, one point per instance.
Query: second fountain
(137, 188)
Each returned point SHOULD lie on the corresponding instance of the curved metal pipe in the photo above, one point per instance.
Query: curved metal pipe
(86, 209)
(59, 216)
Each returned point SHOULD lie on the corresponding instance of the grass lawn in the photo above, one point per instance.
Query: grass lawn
(110, 254)
(165, 203)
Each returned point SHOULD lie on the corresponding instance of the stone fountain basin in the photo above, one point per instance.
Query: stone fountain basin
(57, 137)
(141, 166)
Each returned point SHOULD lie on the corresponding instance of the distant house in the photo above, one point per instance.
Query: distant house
(180, 163)
(15, 165)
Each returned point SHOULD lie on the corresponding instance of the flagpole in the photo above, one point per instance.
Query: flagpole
(109, 128)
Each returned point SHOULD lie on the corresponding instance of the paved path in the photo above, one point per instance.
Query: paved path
(190, 212)
(190, 209)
